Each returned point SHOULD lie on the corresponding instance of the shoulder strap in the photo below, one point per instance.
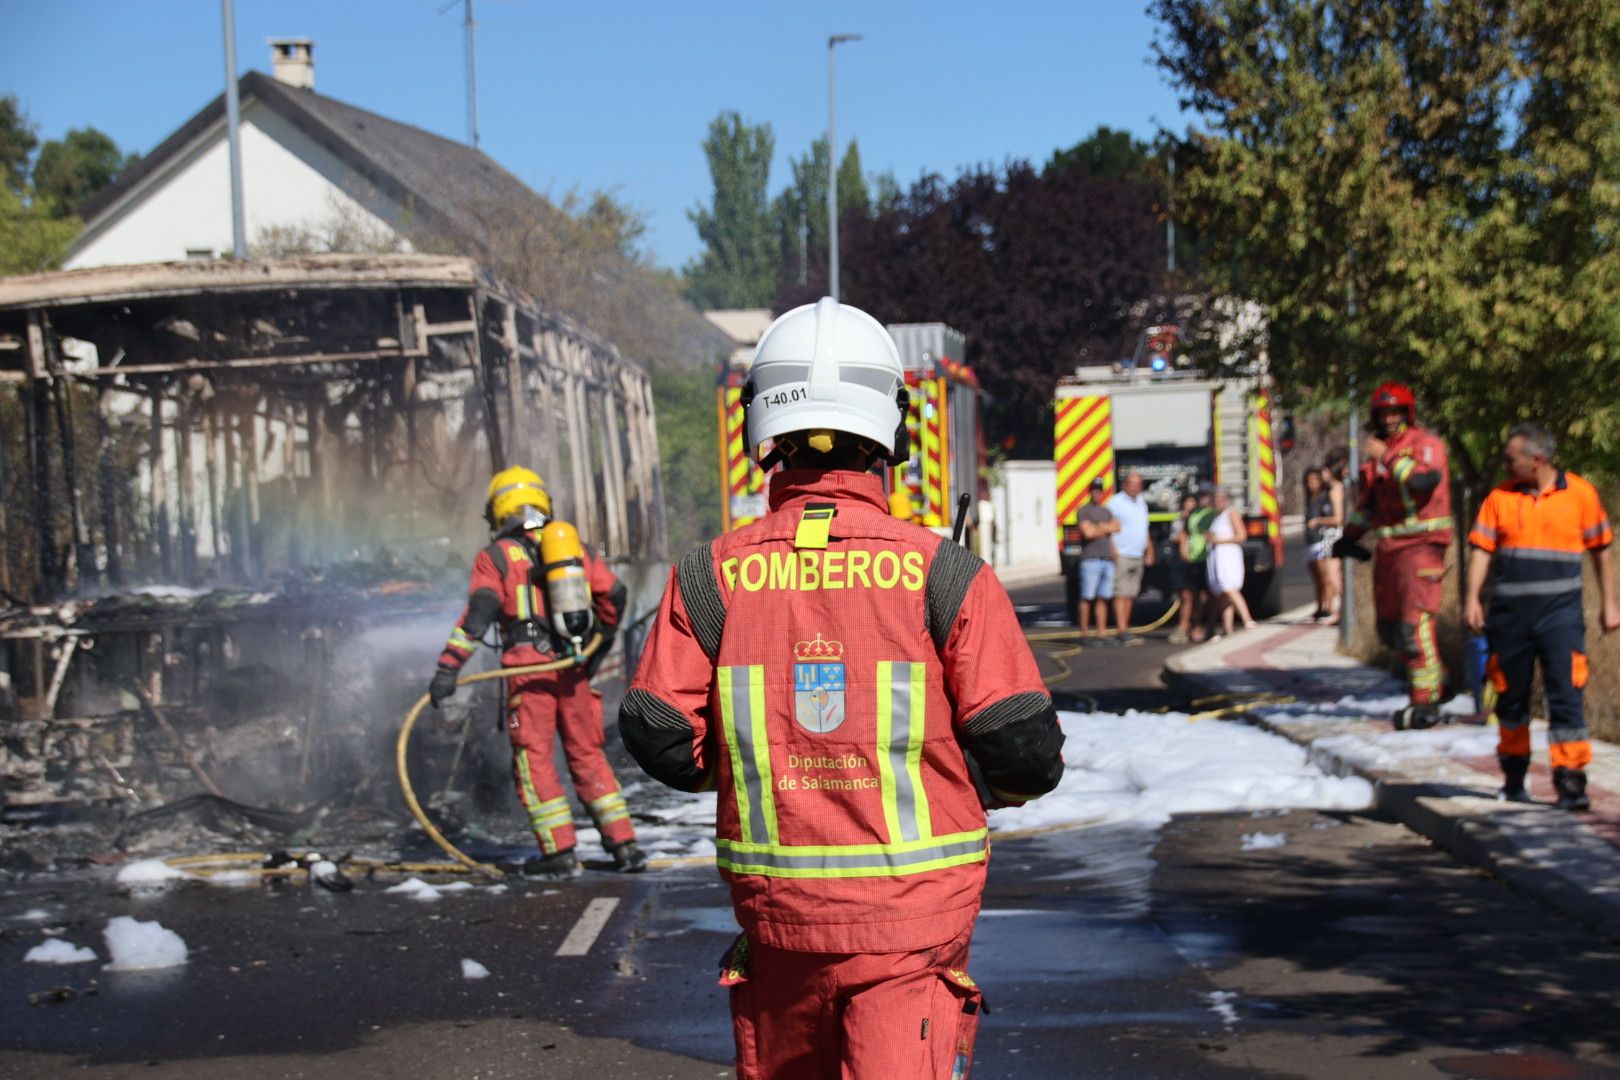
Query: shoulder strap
(497, 555)
(700, 593)
(950, 574)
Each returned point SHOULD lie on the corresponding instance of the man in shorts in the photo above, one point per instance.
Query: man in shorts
(1097, 529)
(1133, 552)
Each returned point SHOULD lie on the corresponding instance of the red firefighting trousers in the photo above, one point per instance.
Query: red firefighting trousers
(1406, 596)
(539, 708)
(816, 1016)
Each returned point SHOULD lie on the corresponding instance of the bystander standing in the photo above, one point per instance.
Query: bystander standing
(1133, 552)
(1324, 524)
(1097, 529)
(1188, 593)
(1226, 570)
(1534, 529)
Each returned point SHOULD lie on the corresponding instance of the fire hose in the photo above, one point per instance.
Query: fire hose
(1056, 642)
(403, 744)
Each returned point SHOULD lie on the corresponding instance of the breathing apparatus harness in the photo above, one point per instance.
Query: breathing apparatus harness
(557, 571)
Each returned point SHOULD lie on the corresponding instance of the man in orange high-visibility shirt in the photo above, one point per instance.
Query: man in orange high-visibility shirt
(1535, 530)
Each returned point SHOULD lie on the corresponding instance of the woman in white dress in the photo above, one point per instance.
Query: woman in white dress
(1226, 562)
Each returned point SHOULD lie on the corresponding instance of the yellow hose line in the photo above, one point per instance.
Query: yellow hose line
(404, 741)
(1058, 656)
(1260, 701)
(1069, 635)
(209, 865)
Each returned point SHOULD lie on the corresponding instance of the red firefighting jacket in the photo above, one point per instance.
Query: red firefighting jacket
(837, 674)
(1405, 496)
(503, 591)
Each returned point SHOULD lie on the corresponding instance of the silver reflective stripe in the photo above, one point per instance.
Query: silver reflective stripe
(902, 683)
(746, 857)
(1538, 588)
(741, 690)
(1485, 530)
(1566, 734)
(1596, 530)
(1539, 554)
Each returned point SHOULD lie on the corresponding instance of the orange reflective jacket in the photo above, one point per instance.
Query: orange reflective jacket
(1406, 494)
(502, 590)
(830, 670)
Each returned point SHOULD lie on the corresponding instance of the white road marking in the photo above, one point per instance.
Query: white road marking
(591, 920)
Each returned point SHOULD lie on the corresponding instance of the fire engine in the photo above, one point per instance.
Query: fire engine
(947, 450)
(1181, 430)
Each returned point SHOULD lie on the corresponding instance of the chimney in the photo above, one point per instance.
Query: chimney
(293, 60)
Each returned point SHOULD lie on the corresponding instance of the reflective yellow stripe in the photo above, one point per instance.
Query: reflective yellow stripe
(609, 808)
(899, 753)
(459, 638)
(1414, 528)
(742, 721)
(853, 860)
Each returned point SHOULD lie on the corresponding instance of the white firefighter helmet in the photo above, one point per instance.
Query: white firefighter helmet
(827, 367)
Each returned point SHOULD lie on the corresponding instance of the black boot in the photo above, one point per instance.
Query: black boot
(1421, 717)
(1571, 787)
(558, 867)
(1416, 717)
(628, 858)
(1513, 771)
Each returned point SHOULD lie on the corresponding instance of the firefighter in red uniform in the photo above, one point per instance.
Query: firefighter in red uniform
(1536, 528)
(508, 589)
(858, 690)
(1405, 504)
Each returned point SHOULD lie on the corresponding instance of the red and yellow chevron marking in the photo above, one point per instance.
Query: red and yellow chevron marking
(934, 450)
(1083, 449)
(1263, 447)
(739, 474)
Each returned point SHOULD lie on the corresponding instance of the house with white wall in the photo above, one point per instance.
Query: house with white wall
(341, 178)
(309, 163)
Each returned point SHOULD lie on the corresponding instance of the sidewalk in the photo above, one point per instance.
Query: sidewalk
(1440, 783)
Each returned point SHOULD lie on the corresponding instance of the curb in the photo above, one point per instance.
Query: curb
(1534, 849)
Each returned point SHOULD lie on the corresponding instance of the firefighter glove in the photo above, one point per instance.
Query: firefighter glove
(1346, 548)
(442, 686)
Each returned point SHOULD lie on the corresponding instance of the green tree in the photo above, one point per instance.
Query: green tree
(72, 169)
(800, 209)
(687, 460)
(1105, 154)
(738, 264)
(34, 235)
(1415, 190)
(31, 237)
(17, 143)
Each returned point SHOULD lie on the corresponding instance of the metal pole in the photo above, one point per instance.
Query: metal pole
(472, 76)
(1347, 598)
(1170, 222)
(832, 162)
(233, 133)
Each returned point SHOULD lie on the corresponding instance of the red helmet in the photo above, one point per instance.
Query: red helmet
(1395, 396)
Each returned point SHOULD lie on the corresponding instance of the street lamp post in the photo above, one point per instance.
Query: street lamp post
(832, 162)
(233, 132)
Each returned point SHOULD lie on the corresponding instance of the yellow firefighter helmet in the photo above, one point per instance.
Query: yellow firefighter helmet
(510, 490)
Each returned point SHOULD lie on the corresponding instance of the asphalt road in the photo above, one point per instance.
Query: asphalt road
(1353, 950)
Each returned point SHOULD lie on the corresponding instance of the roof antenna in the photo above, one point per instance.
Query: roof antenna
(468, 26)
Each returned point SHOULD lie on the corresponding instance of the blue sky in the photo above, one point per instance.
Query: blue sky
(620, 95)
